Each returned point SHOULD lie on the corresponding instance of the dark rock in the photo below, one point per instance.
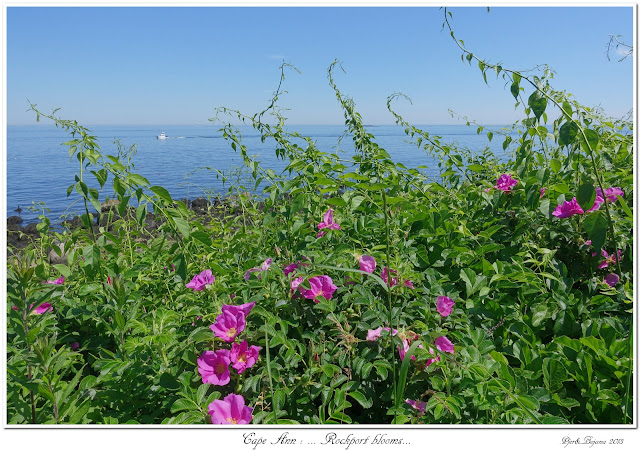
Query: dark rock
(30, 229)
(13, 220)
(200, 205)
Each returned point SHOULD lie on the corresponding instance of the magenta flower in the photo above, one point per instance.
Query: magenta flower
(295, 283)
(444, 305)
(245, 309)
(243, 356)
(214, 367)
(587, 243)
(230, 410)
(430, 361)
(367, 263)
(568, 209)
(418, 405)
(613, 193)
(59, 281)
(75, 345)
(320, 286)
(42, 308)
(609, 259)
(229, 324)
(264, 267)
(327, 223)
(373, 334)
(542, 191)
(385, 277)
(505, 183)
(406, 343)
(290, 268)
(612, 279)
(408, 283)
(444, 345)
(199, 282)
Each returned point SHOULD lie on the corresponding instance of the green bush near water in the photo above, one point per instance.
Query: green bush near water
(539, 336)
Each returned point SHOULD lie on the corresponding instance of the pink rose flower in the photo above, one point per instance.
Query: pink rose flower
(613, 193)
(230, 410)
(245, 309)
(264, 267)
(609, 259)
(444, 305)
(568, 209)
(214, 367)
(229, 324)
(320, 286)
(612, 279)
(430, 361)
(406, 343)
(328, 223)
(243, 356)
(199, 282)
(418, 405)
(367, 263)
(59, 281)
(373, 334)
(444, 345)
(505, 183)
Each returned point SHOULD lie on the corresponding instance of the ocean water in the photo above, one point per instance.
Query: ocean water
(39, 169)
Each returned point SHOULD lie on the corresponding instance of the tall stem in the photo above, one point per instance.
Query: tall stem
(26, 337)
(390, 305)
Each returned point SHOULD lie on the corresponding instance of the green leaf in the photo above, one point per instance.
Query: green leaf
(592, 139)
(141, 213)
(139, 180)
(625, 207)
(336, 201)
(554, 373)
(596, 227)
(540, 313)
(475, 168)
(162, 193)
(586, 196)
(555, 165)
(515, 86)
(362, 399)
(183, 404)
(568, 133)
(183, 227)
(202, 237)
(537, 103)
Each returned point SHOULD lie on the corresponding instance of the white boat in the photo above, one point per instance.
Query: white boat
(162, 136)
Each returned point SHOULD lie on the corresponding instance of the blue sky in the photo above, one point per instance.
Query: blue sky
(167, 65)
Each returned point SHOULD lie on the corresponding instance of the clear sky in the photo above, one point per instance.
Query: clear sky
(175, 65)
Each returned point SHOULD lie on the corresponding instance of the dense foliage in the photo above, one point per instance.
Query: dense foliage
(504, 283)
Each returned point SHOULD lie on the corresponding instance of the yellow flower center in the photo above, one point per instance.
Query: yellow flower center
(232, 332)
(242, 358)
(231, 420)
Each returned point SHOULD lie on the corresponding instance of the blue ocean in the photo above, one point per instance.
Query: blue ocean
(189, 163)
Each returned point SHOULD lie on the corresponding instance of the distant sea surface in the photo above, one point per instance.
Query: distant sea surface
(39, 169)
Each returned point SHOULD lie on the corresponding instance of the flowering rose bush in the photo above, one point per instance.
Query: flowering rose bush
(539, 332)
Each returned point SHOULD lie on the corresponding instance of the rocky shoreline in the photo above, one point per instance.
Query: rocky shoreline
(19, 236)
